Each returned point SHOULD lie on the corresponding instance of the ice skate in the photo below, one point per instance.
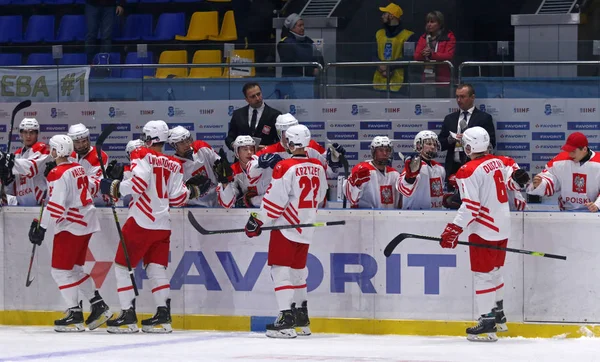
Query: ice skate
(100, 312)
(72, 322)
(160, 322)
(500, 317)
(484, 331)
(125, 322)
(283, 326)
(302, 320)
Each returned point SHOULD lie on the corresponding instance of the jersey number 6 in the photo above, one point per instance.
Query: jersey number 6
(500, 187)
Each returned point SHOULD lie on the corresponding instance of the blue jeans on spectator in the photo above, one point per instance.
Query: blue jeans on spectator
(103, 18)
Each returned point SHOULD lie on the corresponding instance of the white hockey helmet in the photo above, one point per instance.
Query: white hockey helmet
(241, 141)
(29, 124)
(283, 122)
(78, 132)
(297, 136)
(475, 140)
(155, 132)
(381, 141)
(178, 134)
(133, 145)
(63, 145)
(426, 135)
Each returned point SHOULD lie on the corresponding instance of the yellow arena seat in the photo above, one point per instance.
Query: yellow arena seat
(206, 57)
(228, 30)
(172, 57)
(202, 25)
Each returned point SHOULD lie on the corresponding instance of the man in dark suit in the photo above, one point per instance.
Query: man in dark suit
(256, 119)
(466, 117)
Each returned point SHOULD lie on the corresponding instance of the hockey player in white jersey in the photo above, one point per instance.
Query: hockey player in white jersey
(156, 185)
(124, 172)
(241, 191)
(421, 182)
(372, 184)
(297, 187)
(198, 158)
(485, 214)
(86, 155)
(72, 213)
(575, 173)
(23, 172)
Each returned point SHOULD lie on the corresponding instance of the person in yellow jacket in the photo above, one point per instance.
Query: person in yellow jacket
(390, 46)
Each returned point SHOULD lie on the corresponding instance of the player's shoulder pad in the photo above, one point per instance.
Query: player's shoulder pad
(595, 157)
(197, 145)
(563, 156)
(274, 148)
(18, 151)
(59, 170)
(139, 153)
(176, 160)
(237, 168)
(92, 157)
(435, 163)
(467, 169)
(507, 161)
(315, 146)
(363, 165)
(41, 147)
(390, 169)
(283, 166)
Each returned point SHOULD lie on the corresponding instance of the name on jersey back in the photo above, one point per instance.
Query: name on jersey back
(307, 171)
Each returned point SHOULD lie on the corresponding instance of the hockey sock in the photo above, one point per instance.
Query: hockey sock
(157, 274)
(298, 277)
(87, 287)
(68, 282)
(124, 287)
(484, 292)
(498, 281)
(284, 290)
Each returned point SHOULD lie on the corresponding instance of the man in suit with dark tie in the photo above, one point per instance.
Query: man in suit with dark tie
(256, 119)
(456, 123)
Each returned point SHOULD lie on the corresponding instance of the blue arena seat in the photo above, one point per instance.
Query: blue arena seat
(25, 2)
(154, 1)
(132, 58)
(10, 59)
(58, 2)
(168, 25)
(11, 28)
(73, 59)
(71, 28)
(40, 59)
(136, 26)
(40, 28)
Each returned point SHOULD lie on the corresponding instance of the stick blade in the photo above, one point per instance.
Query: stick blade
(196, 224)
(22, 105)
(28, 282)
(389, 249)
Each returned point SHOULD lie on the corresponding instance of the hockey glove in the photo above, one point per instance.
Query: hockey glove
(7, 161)
(452, 200)
(452, 184)
(330, 162)
(115, 171)
(49, 167)
(245, 201)
(450, 236)
(359, 177)
(202, 182)
(36, 233)
(253, 226)
(412, 166)
(223, 171)
(110, 187)
(268, 160)
(521, 177)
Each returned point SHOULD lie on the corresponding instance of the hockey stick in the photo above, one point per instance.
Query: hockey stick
(398, 239)
(99, 142)
(21, 106)
(29, 281)
(203, 231)
(346, 173)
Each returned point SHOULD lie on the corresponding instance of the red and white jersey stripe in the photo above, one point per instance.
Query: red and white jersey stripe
(427, 191)
(91, 165)
(30, 183)
(485, 205)
(380, 192)
(240, 186)
(70, 206)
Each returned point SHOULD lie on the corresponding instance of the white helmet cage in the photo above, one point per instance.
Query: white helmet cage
(133, 145)
(63, 145)
(155, 132)
(242, 141)
(78, 132)
(297, 136)
(283, 122)
(475, 140)
(29, 124)
(423, 136)
(178, 134)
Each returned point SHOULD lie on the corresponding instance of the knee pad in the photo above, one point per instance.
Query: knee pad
(299, 276)
(281, 275)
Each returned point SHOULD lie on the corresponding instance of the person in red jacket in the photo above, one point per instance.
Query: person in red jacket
(437, 44)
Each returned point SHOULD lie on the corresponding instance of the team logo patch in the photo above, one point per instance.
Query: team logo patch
(387, 197)
(436, 187)
(579, 183)
(266, 130)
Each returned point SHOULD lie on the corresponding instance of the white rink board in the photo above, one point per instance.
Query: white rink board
(349, 276)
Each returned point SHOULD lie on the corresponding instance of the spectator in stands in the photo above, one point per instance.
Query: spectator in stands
(437, 44)
(295, 46)
(390, 46)
(455, 125)
(100, 15)
(256, 119)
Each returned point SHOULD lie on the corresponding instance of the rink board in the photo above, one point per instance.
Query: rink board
(222, 282)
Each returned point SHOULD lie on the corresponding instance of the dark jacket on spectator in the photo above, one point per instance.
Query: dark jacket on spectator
(293, 49)
(444, 50)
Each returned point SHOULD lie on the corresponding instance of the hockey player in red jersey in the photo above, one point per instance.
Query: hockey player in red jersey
(372, 184)
(241, 191)
(198, 158)
(298, 185)
(85, 154)
(421, 182)
(575, 173)
(485, 212)
(156, 185)
(23, 172)
(72, 213)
